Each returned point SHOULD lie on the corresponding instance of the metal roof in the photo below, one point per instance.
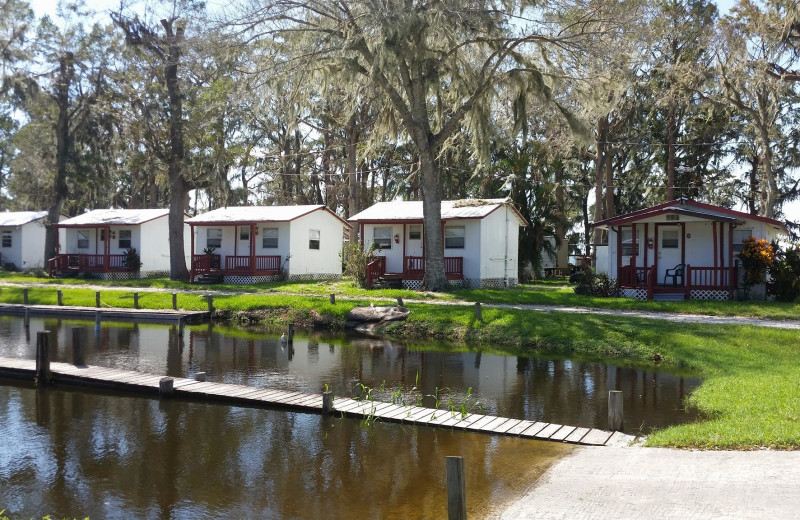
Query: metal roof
(451, 209)
(114, 217)
(251, 214)
(18, 218)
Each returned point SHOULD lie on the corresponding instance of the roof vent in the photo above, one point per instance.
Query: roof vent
(671, 217)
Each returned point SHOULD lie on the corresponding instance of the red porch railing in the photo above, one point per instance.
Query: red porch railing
(81, 263)
(264, 265)
(708, 277)
(694, 278)
(454, 267)
(375, 269)
(415, 267)
(630, 276)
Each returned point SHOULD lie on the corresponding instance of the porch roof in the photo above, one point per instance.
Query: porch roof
(411, 211)
(690, 208)
(19, 218)
(114, 217)
(257, 214)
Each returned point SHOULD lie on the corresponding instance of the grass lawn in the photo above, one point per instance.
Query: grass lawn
(750, 396)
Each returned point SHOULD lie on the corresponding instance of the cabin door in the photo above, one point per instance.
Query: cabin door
(670, 247)
(243, 237)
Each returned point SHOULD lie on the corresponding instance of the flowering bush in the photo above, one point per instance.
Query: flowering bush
(784, 275)
(756, 256)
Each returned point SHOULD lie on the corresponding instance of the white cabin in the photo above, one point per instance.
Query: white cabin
(22, 236)
(253, 244)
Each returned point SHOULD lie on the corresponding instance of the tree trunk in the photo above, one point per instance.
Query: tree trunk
(352, 158)
(63, 152)
(600, 160)
(671, 133)
(178, 187)
(562, 255)
(435, 279)
(769, 184)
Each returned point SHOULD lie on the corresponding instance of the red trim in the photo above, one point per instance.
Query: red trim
(644, 245)
(730, 259)
(404, 248)
(633, 245)
(714, 240)
(619, 250)
(683, 244)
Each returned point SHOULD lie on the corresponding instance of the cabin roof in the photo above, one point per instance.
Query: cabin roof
(19, 218)
(114, 217)
(257, 214)
(412, 211)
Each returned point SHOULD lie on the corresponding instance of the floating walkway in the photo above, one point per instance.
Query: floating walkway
(106, 313)
(131, 381)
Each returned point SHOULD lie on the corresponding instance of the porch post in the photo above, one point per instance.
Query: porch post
(633, 250)
(404, 249)
(253, 249)
(191, 254)
(714, 240)
(730, 259)
(361, 233)
(683, 243)
(619, 249)
(107, 249)
(644, 245)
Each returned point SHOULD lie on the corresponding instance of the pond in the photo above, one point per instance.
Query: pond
(71, 452)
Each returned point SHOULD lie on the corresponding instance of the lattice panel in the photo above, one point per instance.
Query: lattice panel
(636, 294)
(314, 276)
(709, 295)
(155, 274)
(127, 275)
(247, 280)
(412, 285)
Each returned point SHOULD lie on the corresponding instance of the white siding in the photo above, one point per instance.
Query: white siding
(32, 238)
(284, 241)
(394, 255)
(13, 254)
(500, 245)
(327, 259)
(151, 241)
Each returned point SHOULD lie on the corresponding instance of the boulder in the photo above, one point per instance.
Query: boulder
(366, 319)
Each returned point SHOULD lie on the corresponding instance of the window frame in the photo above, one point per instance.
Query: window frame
(265, 235)
(415, 229)
(379, 241)
(129, 238)
(627, 244)
(7, 233)
(738, 243)
(674, 243)
(209, 238)
(452, 241)
(243, 230)
(313, 243)
(83, 239)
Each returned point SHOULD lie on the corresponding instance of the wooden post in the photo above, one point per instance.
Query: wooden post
(136, 300)
(200, 376)
(327, 402)
(27, 318)
(333, 298)
(291, 332)
(478, 311)
(400, 301)
(165, 388)
(358, 390)
(210, 298)
(456, 489)
(77, 347)
(43, 375)
(97, 299)
(174, 301)
(615, 410)
(60, 297)
(25, 296)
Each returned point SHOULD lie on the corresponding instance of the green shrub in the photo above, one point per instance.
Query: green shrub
(784, 274)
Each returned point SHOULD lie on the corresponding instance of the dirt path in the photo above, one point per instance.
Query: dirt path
(673, 317)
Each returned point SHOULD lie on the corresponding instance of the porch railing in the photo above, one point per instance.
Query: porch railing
(630, 276)
(263, 263)
(454, 267)
(709, 277)
(375, 269)
(87, 263)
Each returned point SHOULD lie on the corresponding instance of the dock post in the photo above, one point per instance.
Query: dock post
(358, 390)
(327, 402)
(136, 300)
(77, 347)
(97, 299)
(210, 303)
(291, 332)
(615, 410)
(165, 388)
(27, 318)
(174, 301)
(456, 489)
(200, 376)
(400, 301)
(43, 375)
(25, 296)
(60, 297)
(478, 311)
(333, 298)
(180, 328)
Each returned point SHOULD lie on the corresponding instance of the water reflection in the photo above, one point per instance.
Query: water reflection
(536, 388)
(75, 453)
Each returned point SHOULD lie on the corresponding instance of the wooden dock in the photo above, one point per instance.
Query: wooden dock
(131, 381)
(106, 313)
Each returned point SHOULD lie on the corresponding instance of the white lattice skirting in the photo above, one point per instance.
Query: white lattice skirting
(709, 295)
(412, 285)
(308, 277)
(636, 294)
(127, 275)
(247, 280)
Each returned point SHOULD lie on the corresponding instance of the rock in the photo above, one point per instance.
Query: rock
(367, 318)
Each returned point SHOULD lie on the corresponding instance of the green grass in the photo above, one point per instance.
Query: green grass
(750, 395)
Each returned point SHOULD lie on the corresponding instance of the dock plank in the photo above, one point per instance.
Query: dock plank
(534, 429)
(497, 423)
(576, 435)
(504, 428)
(562, 433)
(548, 431)
(620, 439)
(596, 437)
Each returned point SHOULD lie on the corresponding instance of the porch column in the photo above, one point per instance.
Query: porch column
(404, 249)
(107, 249)
(730, 259)
(619, 249)
(361, 233)
(253, 228)
(714, 241)
(633, 250)
(191, 254)
(683, 243)
(644, 245)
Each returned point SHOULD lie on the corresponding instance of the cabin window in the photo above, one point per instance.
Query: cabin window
(83, 239)
(214, 238)
(244, 233)
(670, 239)
(269, 238)
(739, 236)
(124, 238)
(313, 238)
(382, 237)
(102, 235)
(415, 232)
(627, 242)
(454, 237)
(7, 238)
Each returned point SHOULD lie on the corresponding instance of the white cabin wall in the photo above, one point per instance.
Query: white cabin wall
(472, 248)
(327, 260)
(284, 241)
(500, 245)
(152, 243)
(13, 254)
(394, 255)
(31, 241)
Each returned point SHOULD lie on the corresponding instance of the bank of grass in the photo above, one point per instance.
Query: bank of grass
(751, 389)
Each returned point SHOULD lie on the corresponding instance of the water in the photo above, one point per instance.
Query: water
(73, 452)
